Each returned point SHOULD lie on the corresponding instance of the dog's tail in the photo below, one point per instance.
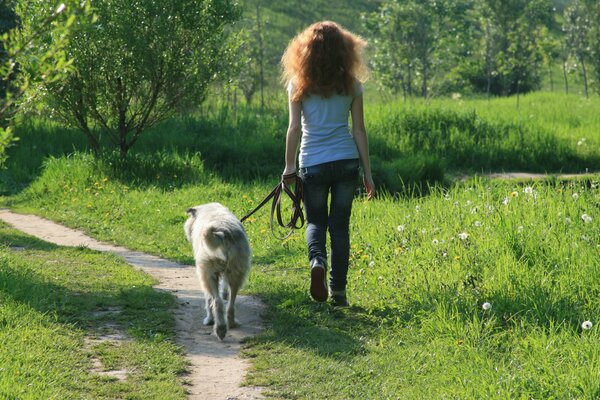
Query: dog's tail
(216, 237)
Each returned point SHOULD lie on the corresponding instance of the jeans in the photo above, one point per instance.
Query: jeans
(340, 178)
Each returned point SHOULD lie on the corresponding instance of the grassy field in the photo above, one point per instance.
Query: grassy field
(425, 259)
(57, 305)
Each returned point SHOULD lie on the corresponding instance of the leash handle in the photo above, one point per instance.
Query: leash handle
(297, 217)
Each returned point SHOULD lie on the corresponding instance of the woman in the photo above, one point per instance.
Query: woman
(323, 69)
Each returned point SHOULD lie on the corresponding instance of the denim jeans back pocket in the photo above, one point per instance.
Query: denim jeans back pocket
(348, 169)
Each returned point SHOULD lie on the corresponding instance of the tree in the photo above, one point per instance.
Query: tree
(415, 40)
(593, 10)
(144, 61)
(35, 34)
(577, 28)
(550, 49)
(515, 26)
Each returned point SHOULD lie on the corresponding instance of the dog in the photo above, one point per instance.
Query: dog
(222, 254)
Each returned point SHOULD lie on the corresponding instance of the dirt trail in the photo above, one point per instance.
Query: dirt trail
(216, 370)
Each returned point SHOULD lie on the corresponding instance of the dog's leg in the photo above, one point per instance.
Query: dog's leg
(231, 321)
(224, 288)
(210, 319)
(218, 306)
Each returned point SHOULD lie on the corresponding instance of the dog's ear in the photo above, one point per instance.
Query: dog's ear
(191, 212)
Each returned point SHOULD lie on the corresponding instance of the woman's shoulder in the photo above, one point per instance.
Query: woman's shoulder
(357, 88)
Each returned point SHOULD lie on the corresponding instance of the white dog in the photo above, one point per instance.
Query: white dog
(222, 254)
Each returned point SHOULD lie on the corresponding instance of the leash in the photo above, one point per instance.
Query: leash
(297, 218)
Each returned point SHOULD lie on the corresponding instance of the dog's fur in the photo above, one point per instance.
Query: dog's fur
(222, 254)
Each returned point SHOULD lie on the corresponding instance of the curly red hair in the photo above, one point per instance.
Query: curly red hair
(324, 59)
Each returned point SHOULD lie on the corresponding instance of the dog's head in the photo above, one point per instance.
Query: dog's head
(191, 212)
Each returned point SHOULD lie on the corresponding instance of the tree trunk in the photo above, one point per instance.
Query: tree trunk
(585, 80)
(566, 77)
(409, 81)
(424, 89)
(261, 55)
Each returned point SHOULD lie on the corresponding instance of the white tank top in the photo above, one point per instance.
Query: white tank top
(326, 134)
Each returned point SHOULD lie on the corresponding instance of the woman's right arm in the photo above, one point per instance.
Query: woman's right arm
(362, 143)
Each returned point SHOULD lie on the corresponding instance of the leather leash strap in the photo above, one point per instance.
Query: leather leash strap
(297, 217)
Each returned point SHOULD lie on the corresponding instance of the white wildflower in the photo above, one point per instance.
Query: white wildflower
(417, 208)
(486, 306)
(463, 236)
(435, 242)
(586, 325)
(586, 218)
(528, 190)
(575, 196)
(477, 223)
(372, 264)
(506, 201)
(568, 220)
(400, 228)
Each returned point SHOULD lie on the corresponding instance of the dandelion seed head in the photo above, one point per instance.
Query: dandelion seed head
(586, 325)
(400, 228)
(477, 223)
(568, 220)
(586, 218)
(463, 236)
(506, 201)
(528, 190)
(575, 196)
(486, 306)
(435, 242)
(372, 264)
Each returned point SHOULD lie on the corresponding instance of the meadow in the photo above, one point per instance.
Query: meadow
(470, 288)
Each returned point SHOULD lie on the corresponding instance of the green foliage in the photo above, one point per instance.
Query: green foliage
(415, 41)
(32, 53)
(411, 143)
(140, 63)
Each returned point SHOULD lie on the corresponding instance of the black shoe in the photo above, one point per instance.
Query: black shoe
(318, 283)
(338, 299)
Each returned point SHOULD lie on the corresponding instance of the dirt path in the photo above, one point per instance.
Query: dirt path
(216, 370)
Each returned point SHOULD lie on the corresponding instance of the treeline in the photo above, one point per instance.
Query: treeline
(437, 47)
(113, 69)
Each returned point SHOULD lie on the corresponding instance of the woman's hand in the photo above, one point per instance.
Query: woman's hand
(289, 176)
(369, 186)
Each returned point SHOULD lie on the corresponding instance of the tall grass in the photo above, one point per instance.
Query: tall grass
(411, 143)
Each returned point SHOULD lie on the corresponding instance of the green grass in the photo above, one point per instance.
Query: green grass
(51, 303)
(416, 327)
